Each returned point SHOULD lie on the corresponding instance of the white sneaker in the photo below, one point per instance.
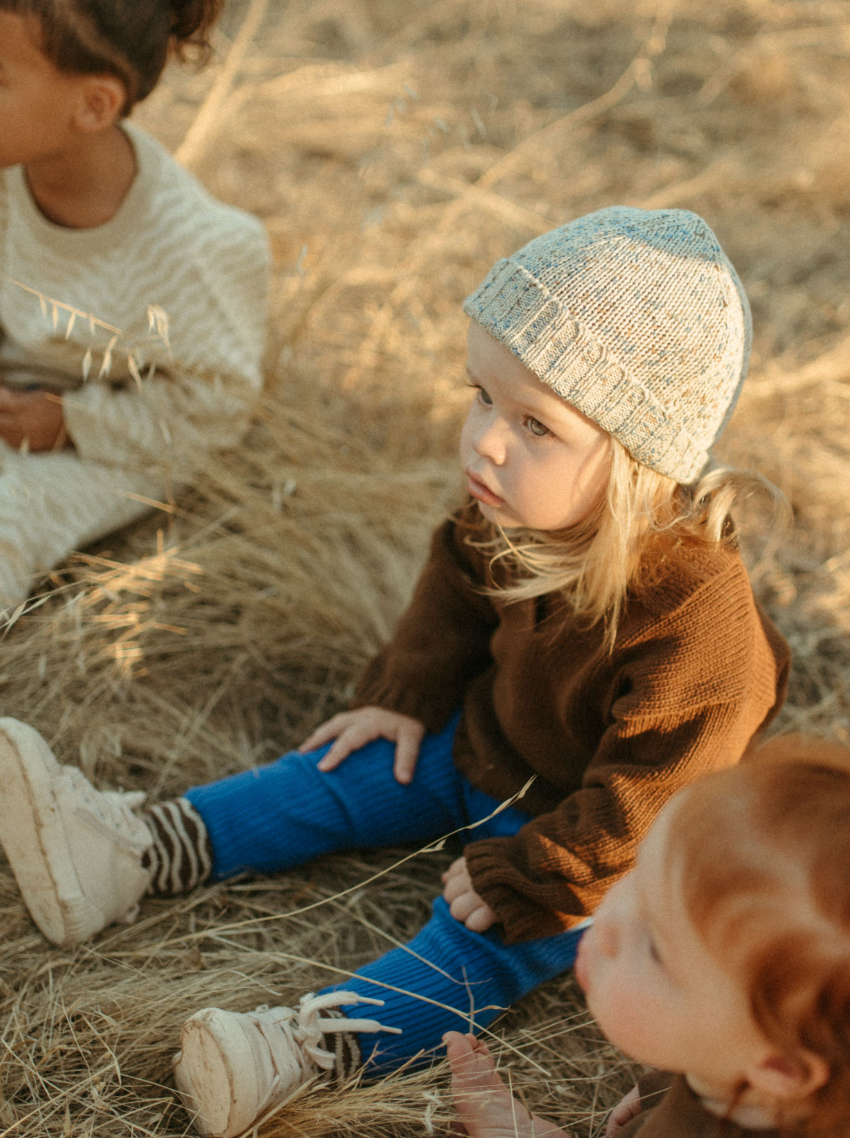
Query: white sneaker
(76, 852)
(232, 1067)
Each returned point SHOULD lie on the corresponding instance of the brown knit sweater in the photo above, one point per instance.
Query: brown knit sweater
(696, 670)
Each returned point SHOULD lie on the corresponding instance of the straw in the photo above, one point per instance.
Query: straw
(394, 154)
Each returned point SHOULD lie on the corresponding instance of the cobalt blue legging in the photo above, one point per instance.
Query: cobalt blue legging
(447, 977)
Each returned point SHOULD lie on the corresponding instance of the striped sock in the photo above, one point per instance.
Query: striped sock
(345, 1047)
(181, 856)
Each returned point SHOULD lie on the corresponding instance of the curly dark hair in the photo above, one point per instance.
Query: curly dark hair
(130, 39)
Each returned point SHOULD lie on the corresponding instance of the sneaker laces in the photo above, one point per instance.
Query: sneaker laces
(110, 811)
(295, 1035)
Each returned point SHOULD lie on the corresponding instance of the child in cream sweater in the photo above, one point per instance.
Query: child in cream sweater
(132, 303)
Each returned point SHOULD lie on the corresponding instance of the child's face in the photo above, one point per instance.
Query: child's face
(531, 459)
(652, 985)
(37, 101)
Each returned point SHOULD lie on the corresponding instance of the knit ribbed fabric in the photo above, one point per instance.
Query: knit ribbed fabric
(637, 318)
(288, 812)
(449, 979)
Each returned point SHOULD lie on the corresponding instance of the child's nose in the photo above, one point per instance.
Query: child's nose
(489, 441)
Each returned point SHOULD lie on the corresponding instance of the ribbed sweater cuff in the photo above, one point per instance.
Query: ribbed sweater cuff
(521, 918)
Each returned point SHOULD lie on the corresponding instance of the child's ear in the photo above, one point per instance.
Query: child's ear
(100, 101)
(789, 1078)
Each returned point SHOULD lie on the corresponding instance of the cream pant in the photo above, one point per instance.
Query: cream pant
(54, 503)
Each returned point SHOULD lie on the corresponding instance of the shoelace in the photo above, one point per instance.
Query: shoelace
(294, 1035)
(110, 811)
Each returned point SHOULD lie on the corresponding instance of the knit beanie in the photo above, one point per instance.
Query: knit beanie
(637, 318)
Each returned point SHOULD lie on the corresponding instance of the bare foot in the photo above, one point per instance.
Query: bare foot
(486, 1107)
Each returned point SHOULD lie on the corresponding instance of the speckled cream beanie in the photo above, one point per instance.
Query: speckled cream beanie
(637, 318)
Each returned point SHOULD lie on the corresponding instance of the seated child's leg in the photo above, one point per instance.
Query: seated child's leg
(485, 1106)
(450, 979)
(288, 812)
(53, 503)
(234, 1066)
(83, 858)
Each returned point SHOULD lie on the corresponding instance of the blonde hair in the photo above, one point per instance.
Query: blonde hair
(642, 523)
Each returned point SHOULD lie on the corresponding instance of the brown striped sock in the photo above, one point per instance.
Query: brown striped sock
(344, 1046)
(181, 856)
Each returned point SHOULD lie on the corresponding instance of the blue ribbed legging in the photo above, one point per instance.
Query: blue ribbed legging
(447, 977)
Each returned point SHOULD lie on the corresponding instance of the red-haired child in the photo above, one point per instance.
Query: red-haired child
(723, 959)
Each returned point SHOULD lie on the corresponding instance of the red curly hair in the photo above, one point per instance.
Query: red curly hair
(765, 866)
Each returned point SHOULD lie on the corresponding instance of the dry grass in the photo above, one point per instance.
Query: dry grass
(394, 153)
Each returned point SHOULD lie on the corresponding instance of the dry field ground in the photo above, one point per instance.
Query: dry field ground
(395, 152)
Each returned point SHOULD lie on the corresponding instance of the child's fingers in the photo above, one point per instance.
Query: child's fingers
(407, 751)
(350, 739)
(323, 733)
(456, 886)
(457, 866)
(625, 1110)
(467, 1060)
(481, 919)
(464, 905)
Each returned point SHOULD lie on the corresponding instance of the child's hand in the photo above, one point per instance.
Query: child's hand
(625, 1110)
(464, 903)
(354, 729)
(32, 415)
(485, 1105)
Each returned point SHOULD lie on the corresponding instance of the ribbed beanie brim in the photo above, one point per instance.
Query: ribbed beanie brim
(637, 318)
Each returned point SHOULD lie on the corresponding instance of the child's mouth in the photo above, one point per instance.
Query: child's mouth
(482, 493)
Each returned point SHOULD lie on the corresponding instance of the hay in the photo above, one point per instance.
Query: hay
(394, 154)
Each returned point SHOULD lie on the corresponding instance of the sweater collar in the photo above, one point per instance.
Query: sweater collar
(95, 238)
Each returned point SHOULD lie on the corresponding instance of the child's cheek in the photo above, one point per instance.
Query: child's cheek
(623, 1013)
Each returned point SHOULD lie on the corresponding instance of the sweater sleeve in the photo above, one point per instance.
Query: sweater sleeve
(442, 640)
(689, 702)
(200, 395)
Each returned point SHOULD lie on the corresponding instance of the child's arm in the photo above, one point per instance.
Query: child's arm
(442, 641)
(484, 1104)
(418, 680)
(684, 701)
(207, 377)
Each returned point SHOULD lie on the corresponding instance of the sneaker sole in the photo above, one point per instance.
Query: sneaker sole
(207, 1077)
(33, 836)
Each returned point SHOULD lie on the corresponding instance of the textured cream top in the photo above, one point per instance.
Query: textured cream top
(175, 285)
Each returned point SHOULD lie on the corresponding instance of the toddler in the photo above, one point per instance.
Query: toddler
(723, 959)
(132, 304)
(584, 621)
